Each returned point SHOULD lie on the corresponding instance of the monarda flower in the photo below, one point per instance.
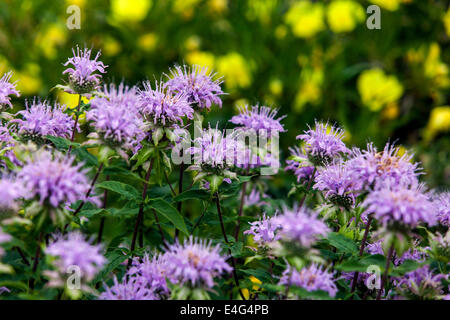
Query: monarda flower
(310, 278)
(338, 185)
(41, 119)
(370, 166)
(82, 75)
(323, 143)
(73, 253)
(197, 84)
(441, 204)
(54, 180)
(300, 226)
(163, 108)
(10, 192)
(6, 89)
(264, 231)
(299, 164)
(421, 283)
(151, 274)
(195, 263)
(399, 205)
(115, 118)
(259, 118)
(128, 289)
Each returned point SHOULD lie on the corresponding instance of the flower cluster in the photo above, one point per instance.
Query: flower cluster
(264, 231)
(6, 89)
(259, 118)
(296, 163)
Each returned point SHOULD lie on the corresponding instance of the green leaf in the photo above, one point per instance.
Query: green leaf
(125, 190)
(236, 249)
(342, 243)
(142, 156)
(200, 194)
(61, 143)
(170, 212)
(115, 258)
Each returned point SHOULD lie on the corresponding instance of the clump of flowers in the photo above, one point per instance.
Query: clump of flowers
(441, 203)
(129, 289)
(323, 143)
(310, 278)
(264, 230)
(299, 164)
(421, 283)
(6, 89)
(195, 263)
(40, 119)
(73, 253)
(371, 167)
(115, 118)
(10, 192)
(197, 84)
(259, 118)
(85, 73)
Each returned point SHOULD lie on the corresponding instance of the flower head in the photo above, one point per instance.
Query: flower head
(324, 143)
(74, 250)
(392, 204)
(6, 89)
(162, 107)
(128, 289)
(310, 278)
(82, 75)
(195, 262)
(370, 166)
(259, 118)
(264, 230)
(296, 163)
(115, 117)
(301, 226)
(197, 84)
(10, 191)
(54, 179)
(441, 204)
(422, 283)
(41, 119)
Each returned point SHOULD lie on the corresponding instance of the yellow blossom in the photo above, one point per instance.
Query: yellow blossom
(390, 5)
(439, 121)
(344, 15)
(218, 6)
(235, 70)
(201, 58)
(310, 91)
(306, 18)
(29, 79)
(71, 101)
(50, 39)
(378, 89)
(148, 41)
(446, 20)
(276, 87)
(111, 46)
(193, 42)
(130, 11)
(434, 68)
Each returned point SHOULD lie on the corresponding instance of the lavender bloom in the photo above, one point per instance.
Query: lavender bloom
(421, 283)
(441, 204)
(298, 163)
(82, 76)
(254, 198)
(301, 226)
(6, 89)
(73, 250)
(370, 166)
(130, 289)
(259, 118)
(4, 237)
(162, 107)
(197, 84)
(393, 204)
(40, 119)
(151, 274)
(54, 179)
(324, 143)
(310, 278)
(264, 230)
(195, 262)
(115, 118)
(339, 186)
(10, 191)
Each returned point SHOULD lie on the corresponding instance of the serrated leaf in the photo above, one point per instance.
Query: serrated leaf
(125, 190)
(342, 243)
(169, 212)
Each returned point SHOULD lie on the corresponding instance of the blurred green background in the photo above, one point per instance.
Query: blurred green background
(311, 59)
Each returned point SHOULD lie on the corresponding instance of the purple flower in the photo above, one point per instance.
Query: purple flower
(82, 76)
(115, 118)
(301, 226)
(422, 283)
(197, 84)
(370, 166)
(162, 107)
(74, 250)
(259, 118)
(298, 163)
(130, 289)
(324, 143)
(195, 262)
(392, 204)
(4, 237)
(54, 179)
(151, 274)
(40, 119)
(264, 230)
(339, 186)
(6, 89)
(10, 191)
(310, 278)
(441, 204)
(254, 198)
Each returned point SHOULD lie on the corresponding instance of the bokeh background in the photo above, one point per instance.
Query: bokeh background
(311, 59)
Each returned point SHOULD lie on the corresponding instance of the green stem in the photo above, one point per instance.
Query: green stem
(386, 272)
(77, 115)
